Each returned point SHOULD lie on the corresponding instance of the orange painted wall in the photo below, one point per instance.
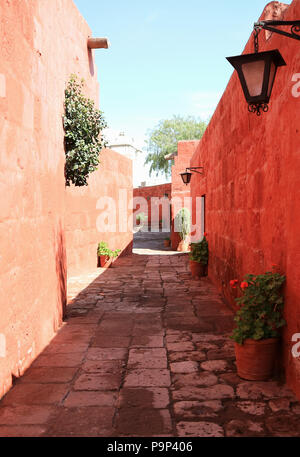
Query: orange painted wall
(185, 151)
(148, 192)
(41, 44)
(82, 236)
(252, 186)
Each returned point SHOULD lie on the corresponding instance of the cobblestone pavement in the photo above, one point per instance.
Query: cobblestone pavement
(144, 352)
(151, 243)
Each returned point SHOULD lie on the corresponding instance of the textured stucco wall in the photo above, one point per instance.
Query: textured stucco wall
(251, 183)
(41, 44)
(148, 192)
(180, 191)
(84, 206)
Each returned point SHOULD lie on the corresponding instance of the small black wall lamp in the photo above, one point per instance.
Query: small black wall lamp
(186, 177)
(257, 71)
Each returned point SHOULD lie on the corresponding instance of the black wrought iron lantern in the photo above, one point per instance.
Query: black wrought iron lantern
(187, 175)
(257, 71)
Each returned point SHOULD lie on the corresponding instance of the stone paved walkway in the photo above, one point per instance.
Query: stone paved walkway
(144, 352)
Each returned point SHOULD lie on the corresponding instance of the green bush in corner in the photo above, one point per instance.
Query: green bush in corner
(83, 124)
(199, 251)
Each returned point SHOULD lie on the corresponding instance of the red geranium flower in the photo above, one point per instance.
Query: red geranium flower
(205, 234)
(244, 285)
(233, 283)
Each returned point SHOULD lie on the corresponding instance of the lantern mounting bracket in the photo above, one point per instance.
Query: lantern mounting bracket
(186, 177)
(194, 170)
(271, 26)
(257, 71)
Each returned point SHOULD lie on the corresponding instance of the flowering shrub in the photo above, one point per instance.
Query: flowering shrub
(261, 307)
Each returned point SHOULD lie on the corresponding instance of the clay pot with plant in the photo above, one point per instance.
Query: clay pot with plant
(105, 255)
(141, 219)
(182, 225)
(199, 257)
(258, 323)
(167, 242)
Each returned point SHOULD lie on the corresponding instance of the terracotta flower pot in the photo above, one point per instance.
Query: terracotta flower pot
(103, 261)
(197, 269)
(167, 243)
(183, 246)
(255, 360)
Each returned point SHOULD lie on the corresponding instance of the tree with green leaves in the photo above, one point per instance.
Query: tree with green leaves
(164, 137)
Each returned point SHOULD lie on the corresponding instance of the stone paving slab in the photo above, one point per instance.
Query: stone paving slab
(145, 351)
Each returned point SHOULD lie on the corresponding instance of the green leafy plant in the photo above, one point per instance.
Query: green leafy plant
(199, 251)
(103, 249)
(83, 124)
(183, 223)
(141, 218)
(115, 253)
(260, 315)
(168, 239)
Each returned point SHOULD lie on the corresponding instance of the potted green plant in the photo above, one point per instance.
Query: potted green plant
(199, 257)
(141, 219)
(104, 254)
(182, 225)
(258, 322)
(167, 242)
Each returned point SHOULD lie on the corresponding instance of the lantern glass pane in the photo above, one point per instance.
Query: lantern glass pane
(254, 76)
(186, 177)
(272, 76)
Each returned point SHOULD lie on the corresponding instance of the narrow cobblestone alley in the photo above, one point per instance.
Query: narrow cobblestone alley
(144, 352)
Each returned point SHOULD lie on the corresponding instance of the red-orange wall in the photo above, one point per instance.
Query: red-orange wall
(82, 236)
(251, 181)
(148, 192)
(41, 44)
(180, 191)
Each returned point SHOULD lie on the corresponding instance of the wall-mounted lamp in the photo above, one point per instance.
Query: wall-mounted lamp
(98, 43)
(186, 177)
(257, 71)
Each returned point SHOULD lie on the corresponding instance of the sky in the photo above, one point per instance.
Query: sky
(167, 57)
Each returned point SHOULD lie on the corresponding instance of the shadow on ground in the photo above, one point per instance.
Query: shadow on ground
(144, 352)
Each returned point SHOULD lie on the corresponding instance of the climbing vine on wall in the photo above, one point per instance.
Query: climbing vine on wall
(83, 124)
